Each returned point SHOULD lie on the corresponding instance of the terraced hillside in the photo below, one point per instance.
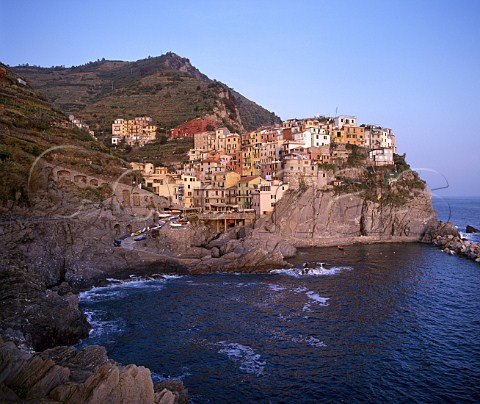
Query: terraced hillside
(167, 87)
(31, 129)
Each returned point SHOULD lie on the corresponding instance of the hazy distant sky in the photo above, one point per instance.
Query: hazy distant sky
(413, 66)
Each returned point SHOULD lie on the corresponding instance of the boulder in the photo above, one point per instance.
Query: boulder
(215, 252)
(471, 229)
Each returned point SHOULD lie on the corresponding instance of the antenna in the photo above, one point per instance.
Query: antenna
(336, 111)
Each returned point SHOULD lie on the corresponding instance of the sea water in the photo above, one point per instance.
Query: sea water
(390, 322)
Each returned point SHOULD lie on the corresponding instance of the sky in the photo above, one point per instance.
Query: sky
(410, 65)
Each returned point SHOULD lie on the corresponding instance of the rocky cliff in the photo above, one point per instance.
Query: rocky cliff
(320, 218)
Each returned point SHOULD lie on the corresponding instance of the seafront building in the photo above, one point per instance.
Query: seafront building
(253, 170)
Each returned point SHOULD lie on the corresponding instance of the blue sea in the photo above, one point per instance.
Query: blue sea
(372, 323)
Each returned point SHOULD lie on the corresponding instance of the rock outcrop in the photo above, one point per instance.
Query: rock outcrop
(68, 375)
(471, 229)
(447, 238)
(321, 218)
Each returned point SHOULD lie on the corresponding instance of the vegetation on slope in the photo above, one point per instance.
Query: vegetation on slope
(167, 88)
(30, 129)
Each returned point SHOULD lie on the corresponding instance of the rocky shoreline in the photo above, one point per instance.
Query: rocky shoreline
(68, 375)
(458, 246)
(44, 265)
(446, 237)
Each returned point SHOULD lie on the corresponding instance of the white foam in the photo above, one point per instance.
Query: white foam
(101, 327)
(300, 339)
(315, 342)
(276, 288)
(100, 293)
(245, 356)
(318, 270)
(317, 298)
(115, 289)
(171, 276)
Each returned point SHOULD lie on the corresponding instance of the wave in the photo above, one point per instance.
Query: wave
(318, 270)
(299, 339)
(319, 300)
(102, 326)
(116, 287)
(245, 356)
(276, 288)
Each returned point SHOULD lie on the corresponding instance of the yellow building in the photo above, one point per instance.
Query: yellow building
(189, 184)
(251, 155)
(232, 143)
(349, 135)
(136, 132)
(225, 179)
(245, 188)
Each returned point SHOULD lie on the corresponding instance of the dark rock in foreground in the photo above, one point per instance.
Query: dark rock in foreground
(68, 375)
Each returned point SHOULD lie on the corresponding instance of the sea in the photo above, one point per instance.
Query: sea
(371, 323)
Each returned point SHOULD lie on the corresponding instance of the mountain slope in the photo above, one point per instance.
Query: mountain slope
(33, 133)
(167, 87)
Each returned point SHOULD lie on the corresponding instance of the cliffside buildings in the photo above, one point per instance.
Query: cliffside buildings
(135, 132)
(253, 170)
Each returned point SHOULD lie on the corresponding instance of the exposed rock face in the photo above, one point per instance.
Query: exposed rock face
(44, 318)
(442, 229)
(318, 218)
(67, 375)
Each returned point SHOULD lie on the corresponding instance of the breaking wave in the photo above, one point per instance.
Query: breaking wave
(245, 356)
(319, 269)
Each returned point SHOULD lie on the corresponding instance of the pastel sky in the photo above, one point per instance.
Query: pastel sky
(411, 65)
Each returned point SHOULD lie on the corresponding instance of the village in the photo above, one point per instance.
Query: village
(250, 172)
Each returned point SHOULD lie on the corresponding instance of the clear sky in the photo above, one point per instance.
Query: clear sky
(411, 65)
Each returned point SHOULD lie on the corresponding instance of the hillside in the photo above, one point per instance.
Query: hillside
(167, 88)
(33, 134)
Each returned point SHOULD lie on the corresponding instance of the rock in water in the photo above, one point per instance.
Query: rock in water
(471, 229)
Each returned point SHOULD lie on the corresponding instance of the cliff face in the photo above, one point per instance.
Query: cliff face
(320, 218)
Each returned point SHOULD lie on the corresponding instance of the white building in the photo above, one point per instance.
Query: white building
(381, 156)
(345, 120)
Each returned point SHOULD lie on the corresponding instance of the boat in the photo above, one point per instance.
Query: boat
(140, 238)
(340, 247)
